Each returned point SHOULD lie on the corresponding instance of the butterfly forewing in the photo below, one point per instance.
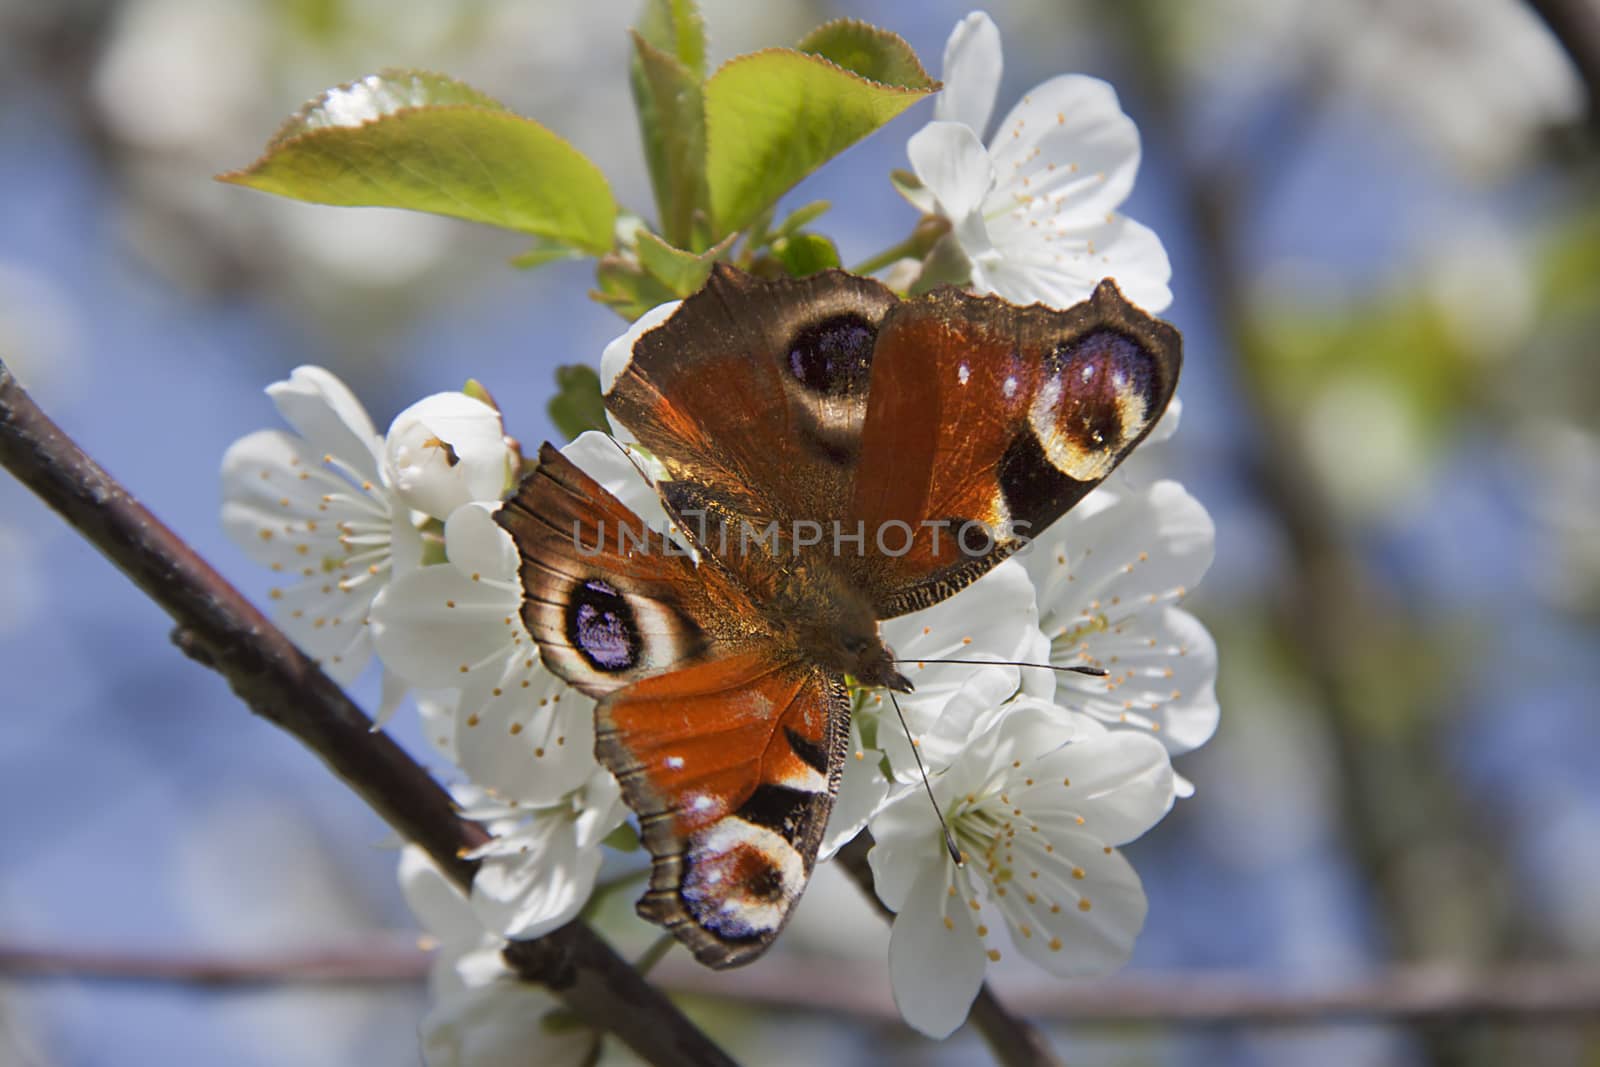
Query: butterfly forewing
(988, 421)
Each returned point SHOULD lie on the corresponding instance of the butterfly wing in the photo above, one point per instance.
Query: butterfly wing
(732, 767)
(727, 747)
(753, 395)
(987, 421)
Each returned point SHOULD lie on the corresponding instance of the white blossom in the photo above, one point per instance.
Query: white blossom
(1036, 212)
(482, 1015)
(1110, 577)
(1036, 805)
(323, 506)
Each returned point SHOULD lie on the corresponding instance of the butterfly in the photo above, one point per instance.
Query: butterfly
(835, 456)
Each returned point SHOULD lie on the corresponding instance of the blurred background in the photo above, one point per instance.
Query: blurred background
(1386, 252)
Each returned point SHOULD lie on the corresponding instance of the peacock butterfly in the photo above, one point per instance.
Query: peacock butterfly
(835, 455)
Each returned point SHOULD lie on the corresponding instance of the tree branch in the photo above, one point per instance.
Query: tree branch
(1014, 1041)
(1528, 994)
(1576, 24)
(221, 629)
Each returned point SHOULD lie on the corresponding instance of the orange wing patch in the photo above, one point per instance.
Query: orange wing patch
(732, 766)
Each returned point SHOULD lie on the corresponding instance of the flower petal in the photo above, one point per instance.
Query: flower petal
(973, 63)
(444, 451)
(477, 545)
(438, 905)
(324, 411)
(1068, 146)
(538, 887)
(951, 162)
(1119, 784)
(1086, 920)
(936, 961)
(525, 733)
(614, 359)
(1163, 678)
(504, 1024)
(1146, 548)
(1060, 265)
(436, 625)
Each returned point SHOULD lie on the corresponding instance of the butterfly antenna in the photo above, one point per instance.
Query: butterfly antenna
(1093, 672)
(949, 838)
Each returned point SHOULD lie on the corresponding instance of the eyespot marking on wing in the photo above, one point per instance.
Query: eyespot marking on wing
(832, 356)
(740, 879)
(602, 628)
(1095, 399)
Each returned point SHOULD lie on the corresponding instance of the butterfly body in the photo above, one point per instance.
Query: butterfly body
(837, 456)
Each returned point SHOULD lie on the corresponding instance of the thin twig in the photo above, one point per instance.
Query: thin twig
(221, 629)
(1014, 1041)
(1528, 994)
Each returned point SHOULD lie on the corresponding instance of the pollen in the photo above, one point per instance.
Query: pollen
(497, 691)
(994, 955)
(276, 594)
(1079, 873)
(538, 753)
(266, 535)
(472, 720)
(1055, 944)
(1066, 781)
(1084, 905)
(983, 931)
(949, 923)
(464, 668)
(477, 577)
(516, 728)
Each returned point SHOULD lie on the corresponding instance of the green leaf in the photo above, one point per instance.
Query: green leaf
(775, 116)
(672, 125)
(428, 143)
(545, 252)
(675, 27)
(806, 253)
(627, 288)
(577, 406)
(681, 272)
(802, 216)
(868, 51)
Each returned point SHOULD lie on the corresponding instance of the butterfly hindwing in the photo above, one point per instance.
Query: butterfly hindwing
(732, 767)
(727, 746)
